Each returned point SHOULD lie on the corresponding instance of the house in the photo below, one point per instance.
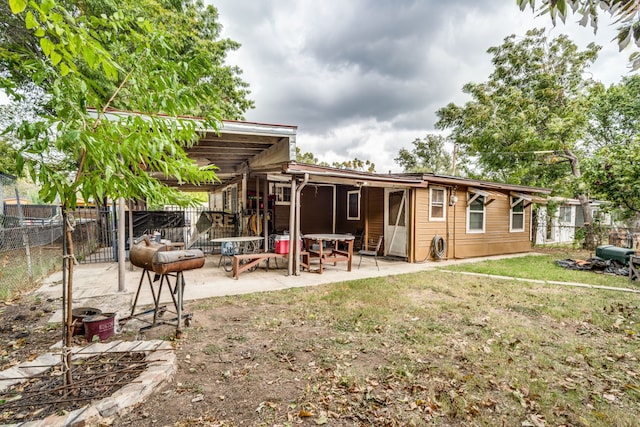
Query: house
(420, 216)
(560, 226)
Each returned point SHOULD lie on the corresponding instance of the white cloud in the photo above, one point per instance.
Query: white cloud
(364, 78)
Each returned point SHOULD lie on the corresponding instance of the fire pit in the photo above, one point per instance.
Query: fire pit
(167, 263)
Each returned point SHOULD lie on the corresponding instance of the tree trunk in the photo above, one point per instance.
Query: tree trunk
(589, 236)
(585, 204)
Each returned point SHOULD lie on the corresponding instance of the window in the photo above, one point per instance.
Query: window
(396, 209)
(437, 206)
(230, 199)
(353, 205)
(475, 213)
(225, 200)
(517, 214)
(282, 193)
(564, 214)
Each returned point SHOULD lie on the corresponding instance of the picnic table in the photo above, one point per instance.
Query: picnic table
(331, 253)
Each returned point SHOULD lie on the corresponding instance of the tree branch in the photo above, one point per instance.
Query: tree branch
(113, 96)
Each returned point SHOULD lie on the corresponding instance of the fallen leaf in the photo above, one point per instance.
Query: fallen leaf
(321, 420)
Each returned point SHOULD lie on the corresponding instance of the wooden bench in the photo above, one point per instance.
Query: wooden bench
(252, 260)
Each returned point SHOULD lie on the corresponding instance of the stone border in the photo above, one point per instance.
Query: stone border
(161, 366)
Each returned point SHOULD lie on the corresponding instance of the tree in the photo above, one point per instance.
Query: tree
(306, 157)
(614, 173)
(356, 164)
(614, 113)
(524, 125)
(624, 12)
(125, 59)
(7, 159)
(613, 170)
(213, 86)
(427, 155)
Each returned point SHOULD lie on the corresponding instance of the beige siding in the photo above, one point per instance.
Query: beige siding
(426, 230)
(423, 234)
(496, 239)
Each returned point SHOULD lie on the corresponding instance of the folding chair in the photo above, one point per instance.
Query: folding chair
(373, 253)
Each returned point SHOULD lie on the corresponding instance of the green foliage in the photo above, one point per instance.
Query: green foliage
(427, 155)
(626, 13)
(613, 173)
(307, 157)
(523, 125)
(7, 158)
(141, 56)
(613, 170)
(615, 113)
(356, 164)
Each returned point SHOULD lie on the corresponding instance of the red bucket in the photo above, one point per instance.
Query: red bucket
(101, 326)
(79, 314)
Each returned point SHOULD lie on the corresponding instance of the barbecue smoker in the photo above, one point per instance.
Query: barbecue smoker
(167, 263)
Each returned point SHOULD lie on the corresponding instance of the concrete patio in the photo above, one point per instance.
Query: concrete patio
(96, 285)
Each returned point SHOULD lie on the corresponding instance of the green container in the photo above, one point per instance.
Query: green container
(613, 252)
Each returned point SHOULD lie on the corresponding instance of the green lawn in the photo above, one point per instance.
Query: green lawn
(423, 349)
(543, 267)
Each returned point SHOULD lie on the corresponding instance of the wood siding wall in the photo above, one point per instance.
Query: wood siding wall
(496, 239)
(374, 208)
(316, 209)
(344, 225)
(281, 218)
(423, 231)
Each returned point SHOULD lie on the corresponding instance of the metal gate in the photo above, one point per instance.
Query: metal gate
(94, 234)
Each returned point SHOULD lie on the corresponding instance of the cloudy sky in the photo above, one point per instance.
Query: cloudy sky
(364, 78)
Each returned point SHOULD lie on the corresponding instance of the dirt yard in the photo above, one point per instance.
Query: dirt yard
(421, 349)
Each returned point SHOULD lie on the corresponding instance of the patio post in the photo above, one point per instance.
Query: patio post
(292, 224)
(294, 244)
(265, 212)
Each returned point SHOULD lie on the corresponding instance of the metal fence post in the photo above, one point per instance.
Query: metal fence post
(25, 236)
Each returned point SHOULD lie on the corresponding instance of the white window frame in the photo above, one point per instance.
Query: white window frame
(472, 196)
(278, 190)
(351, 193)
(562, 218)
(444, 204)
(230, 198)
(515, 201)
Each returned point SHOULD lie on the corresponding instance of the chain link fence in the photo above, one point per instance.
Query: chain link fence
(31, 235)
(30, 240)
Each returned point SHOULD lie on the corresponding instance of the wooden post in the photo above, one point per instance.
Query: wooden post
(121, 244)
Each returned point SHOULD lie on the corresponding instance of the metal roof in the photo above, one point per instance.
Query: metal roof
(333, 175)
(456, 180)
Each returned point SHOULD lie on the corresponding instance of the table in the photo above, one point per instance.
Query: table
(330, 255)
(236, 245)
